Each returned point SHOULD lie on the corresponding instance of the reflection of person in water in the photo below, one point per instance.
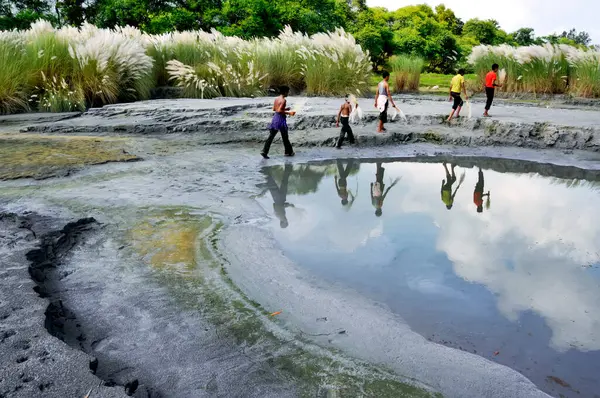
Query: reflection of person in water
(341, 183)
(447, 195)
(478, 193)
(377, 190)
(279, 194)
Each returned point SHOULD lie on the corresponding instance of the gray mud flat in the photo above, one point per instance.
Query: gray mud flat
(245, 120)
(180, 287)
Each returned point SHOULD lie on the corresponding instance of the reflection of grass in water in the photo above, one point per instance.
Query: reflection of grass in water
(576, 183)
(37, 156)
(179, 246)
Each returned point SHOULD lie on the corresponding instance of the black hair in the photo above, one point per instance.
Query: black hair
(495, 66)
(449, 207)
(344, 202)
(479, 209)
(378, 212)
(385, 74)
(461, 72)
(284, 90)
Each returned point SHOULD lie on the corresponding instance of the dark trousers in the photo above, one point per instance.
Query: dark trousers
(489, 93)
(346, 129)
(284, 137)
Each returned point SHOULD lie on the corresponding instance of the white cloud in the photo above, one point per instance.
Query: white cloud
(545, 17)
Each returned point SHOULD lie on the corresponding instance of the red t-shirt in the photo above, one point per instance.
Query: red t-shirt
(478, 199)
(490, 78)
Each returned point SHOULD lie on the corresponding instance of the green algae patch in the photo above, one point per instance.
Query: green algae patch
(40, 156)
(180, 247)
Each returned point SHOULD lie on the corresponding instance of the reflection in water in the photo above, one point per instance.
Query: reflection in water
(478, 194)
(341, 183)
(447, 194)
(378, 194)
(279, 194)
(521, 279)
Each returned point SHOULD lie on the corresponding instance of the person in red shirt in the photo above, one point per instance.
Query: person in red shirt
(478, 193)
(491, 82)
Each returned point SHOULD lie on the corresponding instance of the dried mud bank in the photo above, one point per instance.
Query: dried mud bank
(245, 120)
(34, 363)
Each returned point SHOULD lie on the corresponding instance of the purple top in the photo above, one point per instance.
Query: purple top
(278, 122)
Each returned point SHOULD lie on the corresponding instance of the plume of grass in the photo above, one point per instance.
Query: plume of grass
(334, 64)
(585, 81)
(407, 72)
(13, 74)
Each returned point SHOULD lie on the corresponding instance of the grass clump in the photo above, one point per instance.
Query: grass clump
(547, 69)
(66, 69)
(407, 72)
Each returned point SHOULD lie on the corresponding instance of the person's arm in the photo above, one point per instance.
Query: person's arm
(371, 192)
(283, 109)
(336, 184)
(376, 96)
(337, 123)
(495, 84)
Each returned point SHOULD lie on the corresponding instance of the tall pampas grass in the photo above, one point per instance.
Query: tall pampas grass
(49, 69)
(407, 72)
(546, 69)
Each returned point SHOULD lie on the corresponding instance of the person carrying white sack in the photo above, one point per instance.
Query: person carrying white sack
(383, 98)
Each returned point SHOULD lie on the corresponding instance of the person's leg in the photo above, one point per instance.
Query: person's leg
(340, 140)
(489, 92)
(351, 138)
(287, 146)
(459, 106)
(265, 151)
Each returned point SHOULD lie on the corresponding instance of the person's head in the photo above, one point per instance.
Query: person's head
(479, 209)
(449, 207)
(461, 72)
(495, 67)
(386, 75)
(344, 202)
(284, 90)
(283, 223)
(347, 98)
(378, 212)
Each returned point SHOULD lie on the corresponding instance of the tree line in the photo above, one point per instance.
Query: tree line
(437, 35)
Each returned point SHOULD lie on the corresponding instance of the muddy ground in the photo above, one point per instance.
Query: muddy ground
(156, 278)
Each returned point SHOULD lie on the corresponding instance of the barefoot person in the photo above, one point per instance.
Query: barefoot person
(344, 116)
(457, 86)
(491, 82)
(279, 123)
(383, 98)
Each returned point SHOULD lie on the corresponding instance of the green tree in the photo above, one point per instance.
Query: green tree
(486, 32)
(70, 12)
(372, 31)
(250, 18)
(524, 37)
(447, 18)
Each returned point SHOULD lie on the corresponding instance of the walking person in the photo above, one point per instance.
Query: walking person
(457, 86)
(344, 116)
(491, 82)
(383, 98)
(279, 123)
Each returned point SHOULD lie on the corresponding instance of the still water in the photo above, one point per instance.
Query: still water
(496, 257)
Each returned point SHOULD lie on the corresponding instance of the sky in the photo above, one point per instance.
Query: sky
(545, 16)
